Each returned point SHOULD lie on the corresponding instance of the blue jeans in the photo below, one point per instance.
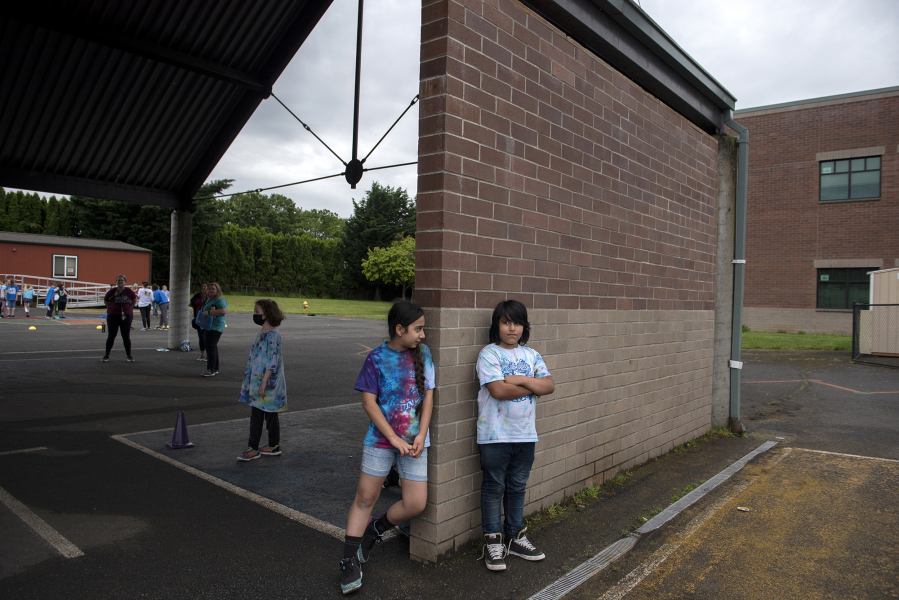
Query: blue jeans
(506, 468)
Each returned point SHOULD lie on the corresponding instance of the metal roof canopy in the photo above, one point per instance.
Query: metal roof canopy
(136, 101)
(626, 37)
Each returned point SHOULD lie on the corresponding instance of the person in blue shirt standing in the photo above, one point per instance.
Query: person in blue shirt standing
(9, 295)
(50, 300)
(161, 300)
(27, 298)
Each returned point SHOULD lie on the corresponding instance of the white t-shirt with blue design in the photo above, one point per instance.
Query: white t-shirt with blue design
(507, 421)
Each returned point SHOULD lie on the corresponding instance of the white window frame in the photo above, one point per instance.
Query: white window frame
(65, 258)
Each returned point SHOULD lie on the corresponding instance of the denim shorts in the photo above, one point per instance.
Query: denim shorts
(377, 462)
(10, 303)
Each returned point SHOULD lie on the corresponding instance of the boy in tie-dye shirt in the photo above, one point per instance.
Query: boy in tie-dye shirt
(512, 376)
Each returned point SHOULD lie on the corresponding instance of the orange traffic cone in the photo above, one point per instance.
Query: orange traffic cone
(179, 438)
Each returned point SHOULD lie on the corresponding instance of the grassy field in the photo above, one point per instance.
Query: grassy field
(795, 341)
(359, 309)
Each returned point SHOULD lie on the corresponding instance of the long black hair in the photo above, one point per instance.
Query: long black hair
(404, 313)
(515, 312)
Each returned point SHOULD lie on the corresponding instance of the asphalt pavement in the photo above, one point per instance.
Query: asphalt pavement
(83, 452)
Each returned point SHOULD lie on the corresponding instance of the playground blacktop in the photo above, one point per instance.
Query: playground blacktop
(93, 504)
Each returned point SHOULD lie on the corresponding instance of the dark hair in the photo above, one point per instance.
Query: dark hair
(145, 283)
(404, 313)
(273, 314)
(155, 287)
(515, 312)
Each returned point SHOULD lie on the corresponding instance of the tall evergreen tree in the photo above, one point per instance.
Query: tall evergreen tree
(51, 224)
(383, 214)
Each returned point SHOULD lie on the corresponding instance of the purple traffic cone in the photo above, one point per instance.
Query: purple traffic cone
(179, 438)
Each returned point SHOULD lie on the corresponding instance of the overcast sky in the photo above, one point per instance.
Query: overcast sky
(762, 51)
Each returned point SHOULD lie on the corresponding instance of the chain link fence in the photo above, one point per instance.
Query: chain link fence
(875, 334)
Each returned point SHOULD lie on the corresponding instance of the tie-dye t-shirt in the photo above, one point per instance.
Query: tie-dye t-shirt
(507, 421)
(390, 376)
(265, 354)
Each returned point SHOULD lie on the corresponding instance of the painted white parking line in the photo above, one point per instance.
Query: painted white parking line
(53, 537)
(286, 511)
(848, 455)
(100, 349)
(25, 450)
(290, 513)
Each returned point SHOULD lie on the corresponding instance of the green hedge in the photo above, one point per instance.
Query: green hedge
(238, 257)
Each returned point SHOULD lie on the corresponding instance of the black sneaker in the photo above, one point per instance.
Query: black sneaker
(129, 358)
(520, 546)
(350, 575)
(209, 373)
(104, 359)
(495, 552)
(369, 538)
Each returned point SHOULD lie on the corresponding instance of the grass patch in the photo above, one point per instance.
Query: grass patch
(796, 341)
(357, 309)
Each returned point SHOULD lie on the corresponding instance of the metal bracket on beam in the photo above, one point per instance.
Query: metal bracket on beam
(736, 364)
(738, 261)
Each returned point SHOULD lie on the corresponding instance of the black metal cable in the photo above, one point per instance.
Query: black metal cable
(309, 129)
(391, 166)
(411, 104)
(275, 187)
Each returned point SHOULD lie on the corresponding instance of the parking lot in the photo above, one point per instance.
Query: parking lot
(83, 452)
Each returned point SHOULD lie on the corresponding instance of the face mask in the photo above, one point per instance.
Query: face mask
(258, 319)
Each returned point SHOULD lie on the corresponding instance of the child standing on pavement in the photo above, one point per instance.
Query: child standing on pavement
(397, 383)
(27, 298)
(511, 376)
(264, 387)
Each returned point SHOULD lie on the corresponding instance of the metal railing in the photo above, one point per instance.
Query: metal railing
(875, 334)
(82, 294)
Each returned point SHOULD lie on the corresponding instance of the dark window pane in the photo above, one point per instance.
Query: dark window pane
(866, 184)
(59, 266)
(834, 187)
(860, 274)
(831, 295)
(827, 167)
(858, 164)
(873, 163)
(858, 292)
(842, 166)
(838, 275)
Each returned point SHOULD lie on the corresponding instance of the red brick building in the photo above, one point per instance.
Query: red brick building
(823, 208)
(72, 259)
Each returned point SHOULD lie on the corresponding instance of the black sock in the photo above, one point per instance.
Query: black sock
(350, 545)
(383, 524)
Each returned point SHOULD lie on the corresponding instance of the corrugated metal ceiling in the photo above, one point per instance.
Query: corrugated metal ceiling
(136, 101)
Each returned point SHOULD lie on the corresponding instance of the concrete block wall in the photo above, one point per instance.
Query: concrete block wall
(546, 176)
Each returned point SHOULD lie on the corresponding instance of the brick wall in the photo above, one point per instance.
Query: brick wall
(546, 176)
(787, 228)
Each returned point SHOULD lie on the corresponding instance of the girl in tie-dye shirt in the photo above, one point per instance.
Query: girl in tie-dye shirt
(397, 382)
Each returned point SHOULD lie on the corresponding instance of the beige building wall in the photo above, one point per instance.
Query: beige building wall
(794, 320)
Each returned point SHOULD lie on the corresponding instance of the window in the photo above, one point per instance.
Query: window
(65, 266)
(839, 288)
(850, 179)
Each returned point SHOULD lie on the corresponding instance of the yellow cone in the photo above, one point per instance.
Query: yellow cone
(99, 327)
(32, 327)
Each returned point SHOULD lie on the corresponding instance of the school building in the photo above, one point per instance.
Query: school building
(823, 208)
(58, 258)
